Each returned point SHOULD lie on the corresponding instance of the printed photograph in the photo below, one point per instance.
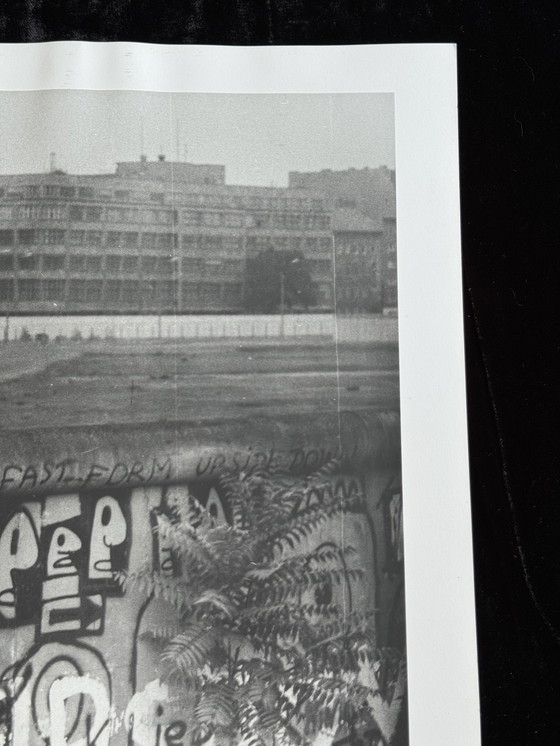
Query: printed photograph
(200, 482)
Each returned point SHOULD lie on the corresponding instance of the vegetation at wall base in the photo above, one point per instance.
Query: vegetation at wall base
(259, 644)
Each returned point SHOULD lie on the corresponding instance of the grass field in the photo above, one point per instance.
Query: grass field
(154, 380)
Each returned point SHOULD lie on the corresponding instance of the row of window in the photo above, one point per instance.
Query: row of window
(222, 200)
(97, 214)
(135, 292)
(148, 264)
(121, 263)
(163, 241)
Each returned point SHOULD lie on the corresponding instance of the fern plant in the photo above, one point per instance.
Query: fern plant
(258, 643)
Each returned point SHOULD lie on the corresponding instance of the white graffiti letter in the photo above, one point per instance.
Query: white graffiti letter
(108, 530)
(64, 688)
(19, 550)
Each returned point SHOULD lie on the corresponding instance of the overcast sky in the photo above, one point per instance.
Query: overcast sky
(259, 138)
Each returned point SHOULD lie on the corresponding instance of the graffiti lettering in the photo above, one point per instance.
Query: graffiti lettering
(19, 551)
(64, 689)
(108, 531)
(16, 477)
(57, 568)
(212, 464)
(64, 697)
(153, 713)
(314, 458)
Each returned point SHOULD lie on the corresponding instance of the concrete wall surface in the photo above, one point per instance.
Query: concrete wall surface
(79, 505)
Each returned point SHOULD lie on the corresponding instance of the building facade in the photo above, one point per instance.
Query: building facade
(372, 193)
(155, 236)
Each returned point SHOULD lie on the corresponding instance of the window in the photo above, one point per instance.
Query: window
(6, 262)
(33, 191)
(210, 292)
(113, 238)
(293, 221)
(149, 240)
(148, 292)
(6, 290)
(167, 265)
(212, 243)
(93, 214)
(165, 240)
(233, 266)
(193, 265)
(76, 238)
(77, 291)
(53, 236)
(93, 238)
(234, 219)
(317, 221)
(67, 192)
(130, 240)
(149, 264)
(320, 266)
(77, 212)
(113, 262)
(213, 218)
(168, 292)
(122, 194)
(85, 193)
(262, 220)
(231, 243)
(52, 212)
(94, 290)
(113, 215)
(93, 263)
(192, 217)
(129, 263)
(53, 290)
(27, 262)
(53, 262)
(130, 291)
(77, 263)
(6, 212)
(50, 191)
(112, 291)
(7, 238)
(191, 293)
(29, 289)
(157, 197)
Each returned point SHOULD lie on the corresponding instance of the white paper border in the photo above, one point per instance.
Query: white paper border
(443, 680)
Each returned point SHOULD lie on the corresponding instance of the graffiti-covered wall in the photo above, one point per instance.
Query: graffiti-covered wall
(76, 666)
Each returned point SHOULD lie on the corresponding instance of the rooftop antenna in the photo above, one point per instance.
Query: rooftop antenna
(52, 162)
(177, 137)
(141, 137)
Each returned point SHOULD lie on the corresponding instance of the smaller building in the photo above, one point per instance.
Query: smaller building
(359, 260)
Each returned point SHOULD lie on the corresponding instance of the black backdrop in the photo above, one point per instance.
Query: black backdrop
(508, 58)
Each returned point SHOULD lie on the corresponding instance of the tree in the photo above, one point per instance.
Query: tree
(258, 643)
(268, 271)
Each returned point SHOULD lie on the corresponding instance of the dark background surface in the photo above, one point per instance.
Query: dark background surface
(508, 57)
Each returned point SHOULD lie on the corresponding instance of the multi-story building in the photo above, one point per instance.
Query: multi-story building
(155, 236)
(372, 193)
